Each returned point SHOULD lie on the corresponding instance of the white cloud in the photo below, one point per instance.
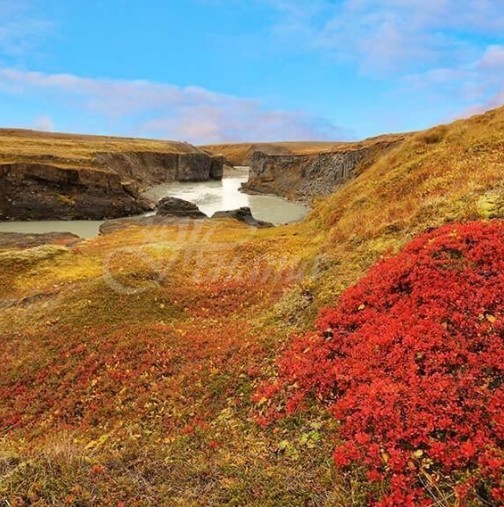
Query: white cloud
(493, 58)
(44, 123)
(240, 122)
(385, 35)
(449, 51)
(478, 83)
(161, 110)
(19, 28)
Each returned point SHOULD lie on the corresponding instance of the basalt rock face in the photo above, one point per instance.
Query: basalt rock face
(303, 177)
(194, 167)
(105, 185)
(152, 168)
(147, 168)
(39, 191)
(217, 167)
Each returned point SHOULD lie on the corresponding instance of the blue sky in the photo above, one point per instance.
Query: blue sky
(248, 70)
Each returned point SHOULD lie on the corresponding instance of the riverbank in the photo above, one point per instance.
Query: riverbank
(209, 196)
(49, 176)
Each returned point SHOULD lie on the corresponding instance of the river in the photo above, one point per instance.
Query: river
(210, 196)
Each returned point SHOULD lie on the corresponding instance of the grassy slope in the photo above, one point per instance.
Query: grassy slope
(144, 398)
(239, 153)
(73, 150)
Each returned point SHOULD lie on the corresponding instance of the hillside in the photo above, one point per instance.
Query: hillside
(67, 176)
(75, 149)
(131, 361)
(241, 153)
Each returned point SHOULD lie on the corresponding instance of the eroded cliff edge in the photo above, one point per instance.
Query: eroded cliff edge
(304, 176)
(70, 177)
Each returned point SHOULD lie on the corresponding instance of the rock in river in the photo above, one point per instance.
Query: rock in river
(243, 214)
(175, 207)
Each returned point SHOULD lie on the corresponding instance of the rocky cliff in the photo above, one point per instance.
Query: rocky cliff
(152, 168)
(240, 154)
(31, 191)
(305, 176)
(67, 177)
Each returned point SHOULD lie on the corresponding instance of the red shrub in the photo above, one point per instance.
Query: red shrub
(411, 362)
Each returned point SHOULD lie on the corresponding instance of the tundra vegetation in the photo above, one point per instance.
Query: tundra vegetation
(192, 365)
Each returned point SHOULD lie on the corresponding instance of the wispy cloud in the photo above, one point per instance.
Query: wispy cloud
(44, 123)
(455, 47)
(161, 110)
(491, 67)
(390, 34)
(478, 83)
(493, 59)
(20, 29)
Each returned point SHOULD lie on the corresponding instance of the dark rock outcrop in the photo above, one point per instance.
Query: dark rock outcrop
(175, 207)
(69, 177)
(35, 191)
(194, 167)
(170, 211)
(243, 214)
(217, 167)
(174, 211)
(145, 167)
(152, 168)
(303, 177)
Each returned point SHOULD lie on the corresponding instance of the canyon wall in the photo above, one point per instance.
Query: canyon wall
(305, 176)
(152, 168)
(37, 191)
(65, 177)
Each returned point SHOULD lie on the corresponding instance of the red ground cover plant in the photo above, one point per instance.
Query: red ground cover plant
(115, 376)
(411, 362)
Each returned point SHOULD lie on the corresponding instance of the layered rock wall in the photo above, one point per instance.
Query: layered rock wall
(303, 177)
(152, 168)
(30, 191)
(107, 186)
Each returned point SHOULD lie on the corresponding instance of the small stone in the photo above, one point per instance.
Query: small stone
(243, 214)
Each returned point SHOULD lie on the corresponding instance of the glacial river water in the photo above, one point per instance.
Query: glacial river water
(210, 196)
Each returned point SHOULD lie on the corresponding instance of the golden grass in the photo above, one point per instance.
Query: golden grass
(229, 299)
(73, 150)
(446, 174)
